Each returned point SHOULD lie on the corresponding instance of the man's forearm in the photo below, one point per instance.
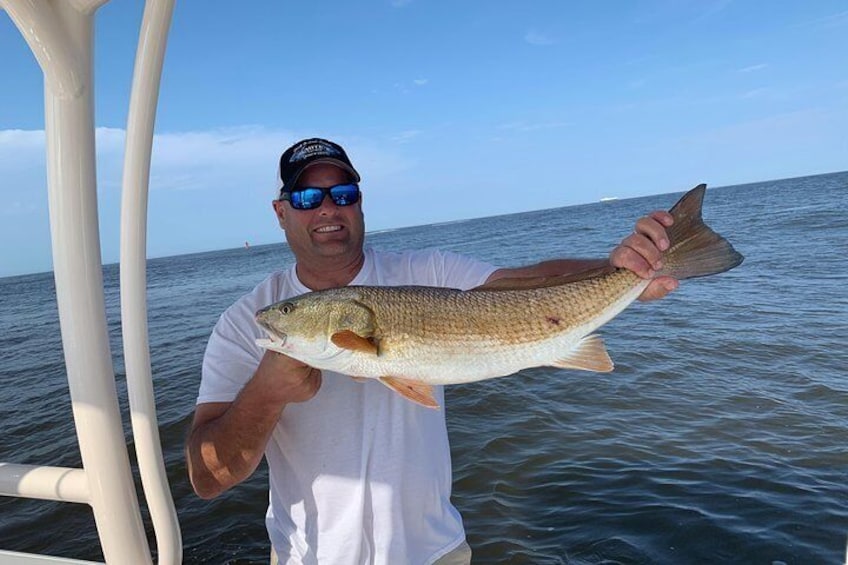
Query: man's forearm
(227, 449)
(227, 441)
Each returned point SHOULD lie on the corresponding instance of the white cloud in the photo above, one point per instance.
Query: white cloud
(524, 126)
(714, 7)
(755, 93)
(22, 139)
(534, 37)
(237, 157)
(406, 136)
(228, 173)
(793, 143)
(17, 208)
(837, 19)
(753, 68)
(22, 159)
(241, 158)
(404, 87)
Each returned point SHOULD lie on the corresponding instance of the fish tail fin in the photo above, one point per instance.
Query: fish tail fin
(694, 249)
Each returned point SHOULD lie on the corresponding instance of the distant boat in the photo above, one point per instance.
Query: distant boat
(246, 245)
(609, 198)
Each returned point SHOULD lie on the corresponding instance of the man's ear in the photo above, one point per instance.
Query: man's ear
(280, 212)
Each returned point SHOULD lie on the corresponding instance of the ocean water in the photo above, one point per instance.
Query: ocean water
(721, 436)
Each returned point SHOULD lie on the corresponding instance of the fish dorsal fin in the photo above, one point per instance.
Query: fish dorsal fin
(518, 283)
(589, 355)
(347, 339)
(417, 392)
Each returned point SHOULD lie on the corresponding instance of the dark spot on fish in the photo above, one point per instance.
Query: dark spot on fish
(553, 320)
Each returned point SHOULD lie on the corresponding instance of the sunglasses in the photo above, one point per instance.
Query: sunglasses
(310, 197)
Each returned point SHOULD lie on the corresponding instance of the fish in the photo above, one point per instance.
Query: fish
(412, 338)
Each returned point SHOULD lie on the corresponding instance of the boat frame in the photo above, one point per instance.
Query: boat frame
(60, 34)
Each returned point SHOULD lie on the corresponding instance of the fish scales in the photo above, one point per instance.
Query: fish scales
(512, 317)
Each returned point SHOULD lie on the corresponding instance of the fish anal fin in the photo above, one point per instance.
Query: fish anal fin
(417, 392)
(347, 339)
(589, 355)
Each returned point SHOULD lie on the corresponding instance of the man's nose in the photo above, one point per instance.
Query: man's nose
(327, 205)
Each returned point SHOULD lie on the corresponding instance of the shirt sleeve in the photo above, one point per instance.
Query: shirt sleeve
(462, 272)
(435, 267)
(231, 354)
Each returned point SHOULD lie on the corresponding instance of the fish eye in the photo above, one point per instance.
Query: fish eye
(287, 308)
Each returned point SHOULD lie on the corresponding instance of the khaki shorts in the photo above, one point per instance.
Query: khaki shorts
(459, 556)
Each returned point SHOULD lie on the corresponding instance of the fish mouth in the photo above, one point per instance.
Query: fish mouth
(278, 337)
(271, 345)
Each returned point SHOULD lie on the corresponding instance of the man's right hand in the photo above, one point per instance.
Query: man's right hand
(289, 378)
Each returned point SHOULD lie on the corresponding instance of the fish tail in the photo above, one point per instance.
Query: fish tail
(695, 250)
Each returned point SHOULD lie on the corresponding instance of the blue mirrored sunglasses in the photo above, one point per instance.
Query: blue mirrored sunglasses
(310, 197)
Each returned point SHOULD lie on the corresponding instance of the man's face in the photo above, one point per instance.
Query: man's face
(328, 231)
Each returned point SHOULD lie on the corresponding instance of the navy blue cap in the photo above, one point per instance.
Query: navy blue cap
(305, 153)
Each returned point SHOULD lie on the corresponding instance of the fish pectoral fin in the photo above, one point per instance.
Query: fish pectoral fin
(418, 392)
(347, 339)
(589, 355)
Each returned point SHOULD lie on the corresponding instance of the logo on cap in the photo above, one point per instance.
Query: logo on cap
(313, 149)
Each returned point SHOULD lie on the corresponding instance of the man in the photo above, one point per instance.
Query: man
(358, 474)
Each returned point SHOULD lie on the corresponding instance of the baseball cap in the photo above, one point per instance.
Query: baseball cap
(305, 153)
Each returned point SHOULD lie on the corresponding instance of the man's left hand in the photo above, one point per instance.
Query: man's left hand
(641, 252)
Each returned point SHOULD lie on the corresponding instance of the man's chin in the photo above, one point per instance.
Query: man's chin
(332, 239)
(330, 247)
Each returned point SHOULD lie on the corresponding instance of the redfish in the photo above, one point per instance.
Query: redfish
(413, 337)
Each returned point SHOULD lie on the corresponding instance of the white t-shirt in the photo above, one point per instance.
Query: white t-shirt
(358, 473)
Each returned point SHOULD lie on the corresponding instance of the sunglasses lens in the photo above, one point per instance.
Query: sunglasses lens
(344, 194)
(307, 199)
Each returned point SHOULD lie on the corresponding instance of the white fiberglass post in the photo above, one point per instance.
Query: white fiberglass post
(60, 35)
(142, 115)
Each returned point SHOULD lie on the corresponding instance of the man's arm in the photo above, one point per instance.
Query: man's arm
(227, 439)
(640, 252)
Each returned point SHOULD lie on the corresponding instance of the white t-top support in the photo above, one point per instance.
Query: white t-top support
(60, 34)
(139, 144)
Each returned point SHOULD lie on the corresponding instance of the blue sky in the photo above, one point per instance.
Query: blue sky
(449, 109)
